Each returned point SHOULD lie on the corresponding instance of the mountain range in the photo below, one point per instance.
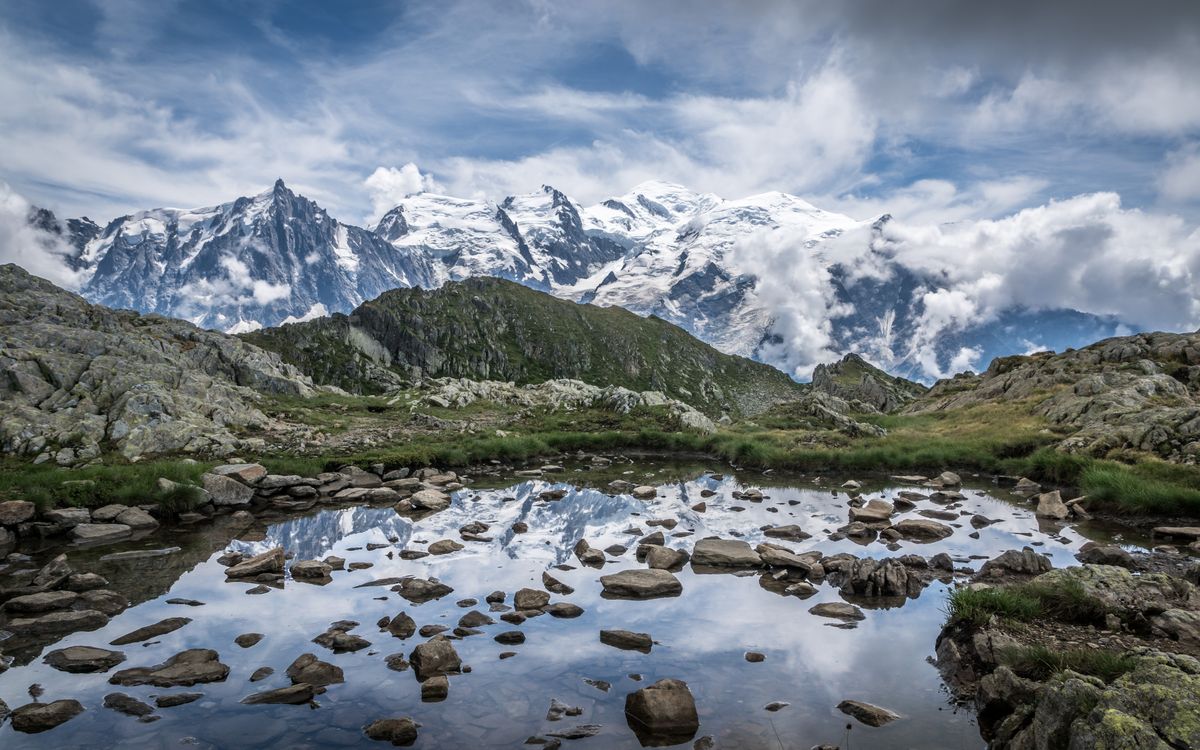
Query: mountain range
(693, 259)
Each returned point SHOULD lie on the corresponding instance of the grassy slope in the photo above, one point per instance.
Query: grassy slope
(500, 330)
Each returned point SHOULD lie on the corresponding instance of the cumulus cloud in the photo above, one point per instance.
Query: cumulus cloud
(38, 252)
(389, 186)
(1180, 181)
(796, 290)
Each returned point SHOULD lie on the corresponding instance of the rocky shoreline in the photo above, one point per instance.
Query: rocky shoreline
(43, 604)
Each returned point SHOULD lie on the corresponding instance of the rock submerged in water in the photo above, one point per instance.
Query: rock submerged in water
(181, 670)
(434, 657)
(921, 530)
(641, 584)
(662, 713)
(162, 627)
(399, 732)
(84, 659)
(628, 640)
(872, 716)
(724, 553)
(40, 717)
(271, 561)
(838, 610)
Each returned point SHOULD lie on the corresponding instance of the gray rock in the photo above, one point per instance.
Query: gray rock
(127, 705)
(40, 717)
(922, 530)
(92, 533)
(665, 558)
(225, 491)
(270, 561)
(444, 547)
(45, 601)
(434, 657)
(399, 732)
(181, 670)
(176, 699)
(13, 512)
(872, 716)
(641, 584)
(432, 500)
(435, 688)
(137, 519)
(1050, 505)
(662, 713)
(59, 622)
(530, 599)
(246, 640)
(1023, 562)
(291, 695)
(308, 669)
(84, 659)
(837, 610)
(244, 473)
(68, 518)
(628, 640)
(162, 627)
(310, 569)
(1105, 554)
(724, 553)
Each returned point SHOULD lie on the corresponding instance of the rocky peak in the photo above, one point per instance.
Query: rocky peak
(854, 379)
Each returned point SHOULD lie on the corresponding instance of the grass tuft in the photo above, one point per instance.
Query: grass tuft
(1040, 662)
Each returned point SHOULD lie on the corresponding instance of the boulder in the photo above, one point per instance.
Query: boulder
(875, 511)
(1105, 554)
(530, 599)
(838, 611)
(39, 717)
(137, 519)
(308, 669)
(922, 530)
(628, 640)
(641, 584)
(662, 713)
(244, 473)
(645, 492)
(399, 732)
(128, 705)
(66, 519)
(872, 716)
(1022, 562)
(310, 569)
(665, 558)
(162, 627)
(84, 659)
(181, 670)
(776, 556)
(226, 491)
(435, 689)
(45, 601)
(790, 531)
(93, 533)
(433, 500)
(271, 561)
(1050, 505)
(292, 695)
(724, 553)
(13, 512)
(444, 547)
(59, 622)
(402, 626)
(434, 657)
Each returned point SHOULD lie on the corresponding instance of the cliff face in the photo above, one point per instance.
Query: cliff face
(491, 329)
(78, 379)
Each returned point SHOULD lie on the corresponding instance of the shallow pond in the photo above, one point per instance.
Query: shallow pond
(701, 637)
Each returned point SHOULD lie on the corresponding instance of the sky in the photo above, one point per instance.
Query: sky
(1032, 153)
(927, 109)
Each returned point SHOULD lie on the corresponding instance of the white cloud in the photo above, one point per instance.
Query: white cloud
(265, 292)
(1180, 181)
(389, 186)
(797, 291)
(38, 252)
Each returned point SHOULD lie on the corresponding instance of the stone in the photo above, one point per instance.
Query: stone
(40, 717)
(59, 622)
(949, 479)
(875, 511)
(45, 601)
(838, 610)
(1023, 562)
(509, 637)
(1178, 532)
(662, 713)
(754, 657)
(644, 492)
(665, 558)
(137, 519)
(338, 640)
(93, 533)
(922, 530)
(80, 582)
(776, 556)
(176, 699)
(627, 640)
(246, 640)
(434, 657)
(420, 590)
(399, 732)
(127, 705)
(1050, 505)
(526, 599)
(724, 553)
(310, 570)
(225, 491)
(435, 689)
(181, 670)
(1105, 554)
(552, 585)
(13, 512)
(310, 670)
(475, 619)
(291, 695)
(564, 610)
(402, 626)
(67, 518)
(444, 547)
(261, 674)
(84, 659)
(431, 500)
(1026, 486)
(641, 584)
(271, 561)
(791, 531)
(872, 716)
(244, 473)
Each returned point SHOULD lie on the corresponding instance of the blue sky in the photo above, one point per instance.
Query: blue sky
(929, 109)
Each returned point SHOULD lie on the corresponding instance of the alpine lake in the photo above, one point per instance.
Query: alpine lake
(765, 672)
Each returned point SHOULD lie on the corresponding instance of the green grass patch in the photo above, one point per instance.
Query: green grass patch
(1040, 662)
(976, 606)
(50, 486)
(1139, 490)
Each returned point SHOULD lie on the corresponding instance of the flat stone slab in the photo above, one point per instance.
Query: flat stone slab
(182, 670)
(1178, 532)
(162, 627)
(84, 659)
(641, 584)
(724, 553)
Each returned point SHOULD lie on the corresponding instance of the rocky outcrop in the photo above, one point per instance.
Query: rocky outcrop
(77, 379)
(1139, 393)
(856, 381)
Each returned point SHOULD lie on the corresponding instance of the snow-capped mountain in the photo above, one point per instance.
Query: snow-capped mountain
(255, 261)
(763, 276)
